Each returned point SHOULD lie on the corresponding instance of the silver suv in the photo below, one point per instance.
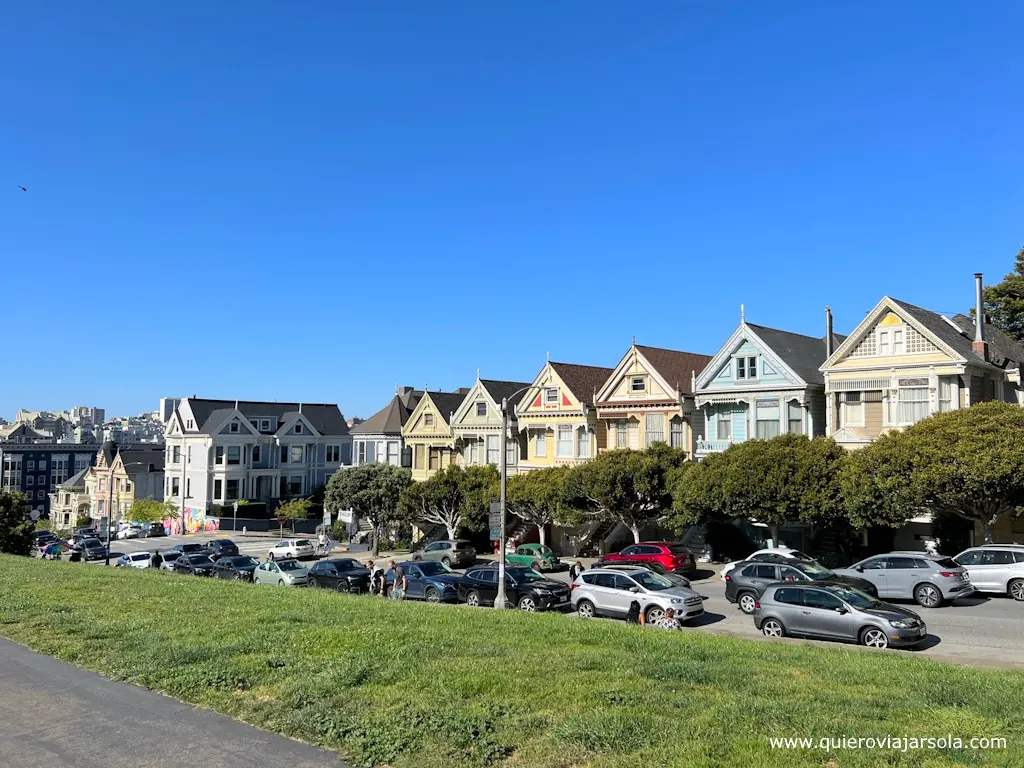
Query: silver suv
(609, 592)
(927, 579)
(995, 568)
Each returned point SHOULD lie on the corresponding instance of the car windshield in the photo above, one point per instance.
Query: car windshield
(854, 597)
(433, 568)
(303, 543)
(946, 562)
(200, 560)
(650, 580)
(347, 565)
(93, 543)
(525, 576)
(290, 565)
(242, 562)
(816, 571)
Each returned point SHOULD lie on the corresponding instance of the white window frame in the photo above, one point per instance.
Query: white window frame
(296, 450)
(723, 420)
(925, 401)
(946, 403)
(175, 486)
(551, 396)
(218, 455)
(622, 433)
(540, 444)
(633, 380)
(852, 415)
(298, 429)
(428, 419)
(564, 447)
(481, 407)
(493, 448)
(676, 433)
(582, 442)
(652, 436)
(233, 427)
(238, 459)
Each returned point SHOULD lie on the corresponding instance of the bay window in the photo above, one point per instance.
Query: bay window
(622, 434)
(540, 443)
(583, 442)
(493, 446)
(654, 429)
(564, 447)
(795, 418)
(723, 426)
(676, 433)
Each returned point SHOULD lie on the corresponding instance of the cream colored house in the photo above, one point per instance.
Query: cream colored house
(476, 425)
(428, 432)
(70, 500)
(904, 363)
(122, 475)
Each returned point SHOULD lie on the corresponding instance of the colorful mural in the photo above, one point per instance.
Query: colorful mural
(193, 521)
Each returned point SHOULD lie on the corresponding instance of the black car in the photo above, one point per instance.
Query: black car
(236, 568)
(196, 564)
(524, 589)
(745, 582)
(152, 531)
(91, 549)
(45, 537)
(221, 548)
(342, 574)
(191, 549)
(428, 580)
(87, 533)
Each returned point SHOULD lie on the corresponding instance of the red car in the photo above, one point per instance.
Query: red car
(671, 554)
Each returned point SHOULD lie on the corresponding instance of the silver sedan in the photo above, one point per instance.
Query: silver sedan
(282, 573)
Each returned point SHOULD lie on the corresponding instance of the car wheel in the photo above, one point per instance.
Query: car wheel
(527, 603)
(312, 583)
(747, 603)
(447, 562)
(873, 637)
(586, 609)
(653, 613)
(1016, 589)
(280, 582)
(473, 598)
(237, 577)
(417, 557)
(773, 628)
(928, 595)
(432, 595)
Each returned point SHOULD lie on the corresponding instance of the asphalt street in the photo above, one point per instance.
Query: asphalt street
(57, 715)
(981, 630)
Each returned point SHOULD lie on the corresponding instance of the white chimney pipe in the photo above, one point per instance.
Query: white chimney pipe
(979, 314)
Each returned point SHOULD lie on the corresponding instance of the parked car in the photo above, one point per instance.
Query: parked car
(430, 581)
(927, 579)
(191, 549)
(658, 568)
(291, 549)
(996, 568)
(132, 531)
(91, 549)
(134, 560)
(222, 548)
(836, 612)
(168, 558)
(524, 589)
(455, 553)
(536, 556)
(764, 555)
(343, 574)
(235, 568)
(197, 564)
(152, 530)
(43, 538)
(748, 579)
(87, 533)
(283, 573)
(670, 554)
(609, 592)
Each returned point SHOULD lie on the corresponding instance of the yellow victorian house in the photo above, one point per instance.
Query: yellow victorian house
(558, 415)
(904, 363)
(428, 432)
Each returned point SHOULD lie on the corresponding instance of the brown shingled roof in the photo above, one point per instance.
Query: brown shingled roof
(582, 380)
(677, 368)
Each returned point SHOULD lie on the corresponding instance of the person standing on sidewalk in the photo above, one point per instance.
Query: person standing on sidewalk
(575, 570)
(376, 578)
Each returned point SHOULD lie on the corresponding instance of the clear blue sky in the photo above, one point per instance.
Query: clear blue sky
(320, 200)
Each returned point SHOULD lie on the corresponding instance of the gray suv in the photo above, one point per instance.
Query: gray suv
(455, 553)
(995, 568)
(609, 592)
(927, 579)
(836, 612)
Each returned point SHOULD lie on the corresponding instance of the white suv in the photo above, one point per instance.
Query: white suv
(609, 592)
(290, 549)
(995, 568)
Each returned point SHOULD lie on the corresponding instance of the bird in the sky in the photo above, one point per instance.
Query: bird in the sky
(22, 188)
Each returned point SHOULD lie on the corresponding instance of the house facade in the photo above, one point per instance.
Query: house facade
(427, 434)
(649, 398)
(476, 425)
(904, 363)
(121, 475)
(763, 382)
(558, 418)
(36, 469)
(69, 500)
(379, 438)
(223, 451)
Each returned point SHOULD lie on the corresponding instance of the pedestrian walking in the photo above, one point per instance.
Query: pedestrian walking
(322, 540)
(376, 578)
(633, 614)
(398, 578)
(575, 570)
(156, 560)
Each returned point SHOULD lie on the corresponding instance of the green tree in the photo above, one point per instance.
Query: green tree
(151, 511)
(295, 509)
(968, 463)
(1004, 301)
(538, 497)
(480, 484)
(774, 481)
(16, 527)
(372, 491)
(84, 520)
(626, 486)
(439, 500)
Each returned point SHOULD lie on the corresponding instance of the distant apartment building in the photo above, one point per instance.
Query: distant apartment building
(167, 406)
(223, 451)
(144, 428)
(36, 469)
(87, 416)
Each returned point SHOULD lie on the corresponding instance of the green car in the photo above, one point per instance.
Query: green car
(535, 556)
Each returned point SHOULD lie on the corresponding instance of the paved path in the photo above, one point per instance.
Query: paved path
(57, 715)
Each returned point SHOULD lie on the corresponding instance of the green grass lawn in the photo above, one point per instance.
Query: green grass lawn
(421, 685)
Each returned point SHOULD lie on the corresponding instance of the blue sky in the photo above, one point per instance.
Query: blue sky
(317, 201)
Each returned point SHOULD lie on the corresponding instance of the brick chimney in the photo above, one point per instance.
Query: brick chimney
(980, 345)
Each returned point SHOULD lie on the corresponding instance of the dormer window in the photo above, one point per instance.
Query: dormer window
(233, 427)
(891, 341)
(428, 419)
(636, 384)
(551, 396)
(298, 428)
(746, 367)
(481, 410)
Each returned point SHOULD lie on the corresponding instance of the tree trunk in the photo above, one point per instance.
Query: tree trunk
(376, 540)
(986, 525)
(452, 529)
(636, 533)
(541, 535)
(774, 528)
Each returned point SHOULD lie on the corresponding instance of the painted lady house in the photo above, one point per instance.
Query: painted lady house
(427, 433)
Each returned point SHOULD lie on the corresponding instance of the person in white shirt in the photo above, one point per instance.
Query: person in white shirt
(323, 540)
(668, 620)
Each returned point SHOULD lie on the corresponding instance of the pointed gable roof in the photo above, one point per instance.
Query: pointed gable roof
(325, 417)
(77, 480)
(390, 419)
(499, 390)
(447, 403)
(676, 368)
(582, 380)
(803, 354)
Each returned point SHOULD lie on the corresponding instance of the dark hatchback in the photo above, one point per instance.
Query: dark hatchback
(524, 589)
(222, 548)
(342, 574)
(152, 531)
(91, 549)
(191, 549)
(745, 582)
(237, 568)
(429, 581)
(195, 564)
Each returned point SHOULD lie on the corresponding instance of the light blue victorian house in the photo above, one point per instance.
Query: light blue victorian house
(763, 382)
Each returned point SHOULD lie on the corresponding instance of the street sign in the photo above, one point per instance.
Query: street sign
(281, 519)
(494, 516)
(496, 533)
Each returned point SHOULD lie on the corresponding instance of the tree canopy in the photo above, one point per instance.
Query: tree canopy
(150, 511)
(455, 497)
(17, 531)
(968, 463)
(1004, 301)
(786, 478)
(372, 491)
(295, 509)
(538, 497)
(626, 486)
